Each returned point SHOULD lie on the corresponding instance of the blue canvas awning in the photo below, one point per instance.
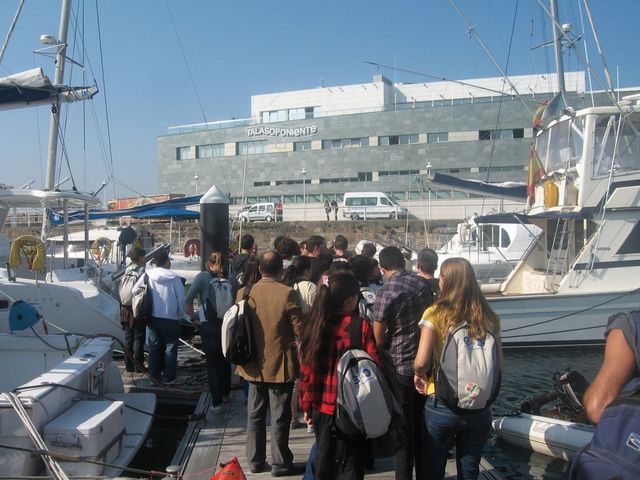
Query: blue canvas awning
(166, 209)
(511, 191)
(165, 212)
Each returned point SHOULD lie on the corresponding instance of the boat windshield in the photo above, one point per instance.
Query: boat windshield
(628, 149)
(560, 147)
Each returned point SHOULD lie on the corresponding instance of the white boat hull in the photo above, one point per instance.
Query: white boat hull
(558, 319)
(64, 309)
(69, 397)
(555, 438)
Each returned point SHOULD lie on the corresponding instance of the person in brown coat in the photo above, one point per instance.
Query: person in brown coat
(276, 317)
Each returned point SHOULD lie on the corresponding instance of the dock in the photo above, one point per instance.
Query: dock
(214, 439)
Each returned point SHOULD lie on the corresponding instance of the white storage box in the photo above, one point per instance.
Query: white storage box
(92, 429)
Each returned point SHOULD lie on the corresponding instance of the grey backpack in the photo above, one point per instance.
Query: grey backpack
(469, 374)
(219, 300)
(125, 289)
(365, 405)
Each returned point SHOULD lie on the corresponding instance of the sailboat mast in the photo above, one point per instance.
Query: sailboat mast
(558, 34)
(55, 108)
(54, 126)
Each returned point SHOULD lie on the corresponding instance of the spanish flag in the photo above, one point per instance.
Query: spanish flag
(536, 173)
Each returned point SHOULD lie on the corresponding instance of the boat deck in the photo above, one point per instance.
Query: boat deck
(214, 439)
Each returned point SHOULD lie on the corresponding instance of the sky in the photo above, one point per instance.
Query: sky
(162, 63)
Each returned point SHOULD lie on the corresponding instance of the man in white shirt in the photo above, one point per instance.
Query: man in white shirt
(167, 293)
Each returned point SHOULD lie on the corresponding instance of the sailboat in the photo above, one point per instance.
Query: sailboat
(68, 302)
(64, 411)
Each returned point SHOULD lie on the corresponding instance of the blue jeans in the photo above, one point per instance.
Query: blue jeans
(163, 335)
(445, 428)
(218, 368)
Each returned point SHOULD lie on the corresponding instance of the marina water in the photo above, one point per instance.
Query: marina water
(528, 372)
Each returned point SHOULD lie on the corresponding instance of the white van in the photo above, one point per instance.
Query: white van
(365, 205)
(268, 211)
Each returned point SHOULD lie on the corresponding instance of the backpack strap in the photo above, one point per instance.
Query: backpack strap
(247, 290)
(355, 332)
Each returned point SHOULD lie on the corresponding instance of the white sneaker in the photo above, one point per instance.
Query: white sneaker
(216, 410)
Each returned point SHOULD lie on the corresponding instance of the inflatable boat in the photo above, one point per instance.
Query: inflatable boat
(552, 423)
(549, 436)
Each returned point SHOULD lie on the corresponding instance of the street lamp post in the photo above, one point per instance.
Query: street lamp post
(195, 177)
(304, 193)
(429, 190)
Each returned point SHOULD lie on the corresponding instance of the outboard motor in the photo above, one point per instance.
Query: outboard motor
(569, 389)
(571, 386)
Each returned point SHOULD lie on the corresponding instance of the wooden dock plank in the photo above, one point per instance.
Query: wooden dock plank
(219, 438)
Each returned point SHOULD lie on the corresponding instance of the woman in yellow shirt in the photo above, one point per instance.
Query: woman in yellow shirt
(460, 300)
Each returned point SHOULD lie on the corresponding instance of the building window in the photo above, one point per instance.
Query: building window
(384, 173)
(300, 146)
(365, 176)
(206, 151)
(261, 184)
(398, 140)
(506, 133)
(345, 142)
(183, 153)
(296, 114)
(251, 148)
(300, 113)
(437, 137)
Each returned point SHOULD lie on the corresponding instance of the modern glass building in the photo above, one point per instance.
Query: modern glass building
(376, 136)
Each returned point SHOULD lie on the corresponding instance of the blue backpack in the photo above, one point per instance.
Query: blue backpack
(614, 451)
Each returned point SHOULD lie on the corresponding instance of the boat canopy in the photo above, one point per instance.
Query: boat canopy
(509, 190)
(522, 218)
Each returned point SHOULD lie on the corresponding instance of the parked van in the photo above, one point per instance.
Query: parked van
(365, 205)
(261, 211)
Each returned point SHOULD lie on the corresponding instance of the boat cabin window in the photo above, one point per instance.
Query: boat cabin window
(561, 146)
(493, 236)
(505, 240)
(4, 304)
(628, 149)
(631, 244)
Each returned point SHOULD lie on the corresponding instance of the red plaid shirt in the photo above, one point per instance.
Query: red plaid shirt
(318, 383)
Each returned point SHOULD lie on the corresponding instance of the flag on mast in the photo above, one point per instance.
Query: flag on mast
(536, 173)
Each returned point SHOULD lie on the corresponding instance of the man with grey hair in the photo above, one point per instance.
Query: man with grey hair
(276, 317)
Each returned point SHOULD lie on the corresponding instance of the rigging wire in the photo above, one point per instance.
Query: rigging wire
(506, 70)
(471, 29)
(104, 88)
(195, 89)
(444, 79)
(11, 28)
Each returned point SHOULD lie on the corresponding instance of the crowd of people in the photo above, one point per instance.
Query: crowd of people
(303, 298)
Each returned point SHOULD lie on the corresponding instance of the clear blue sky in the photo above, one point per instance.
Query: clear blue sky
(235, 49)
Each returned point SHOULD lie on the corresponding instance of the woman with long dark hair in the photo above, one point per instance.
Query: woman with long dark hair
(460, 301)
(297, 276)
(325, 337)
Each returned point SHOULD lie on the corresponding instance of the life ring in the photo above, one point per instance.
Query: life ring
(101, 248)
(192, 248)
(33, 250)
